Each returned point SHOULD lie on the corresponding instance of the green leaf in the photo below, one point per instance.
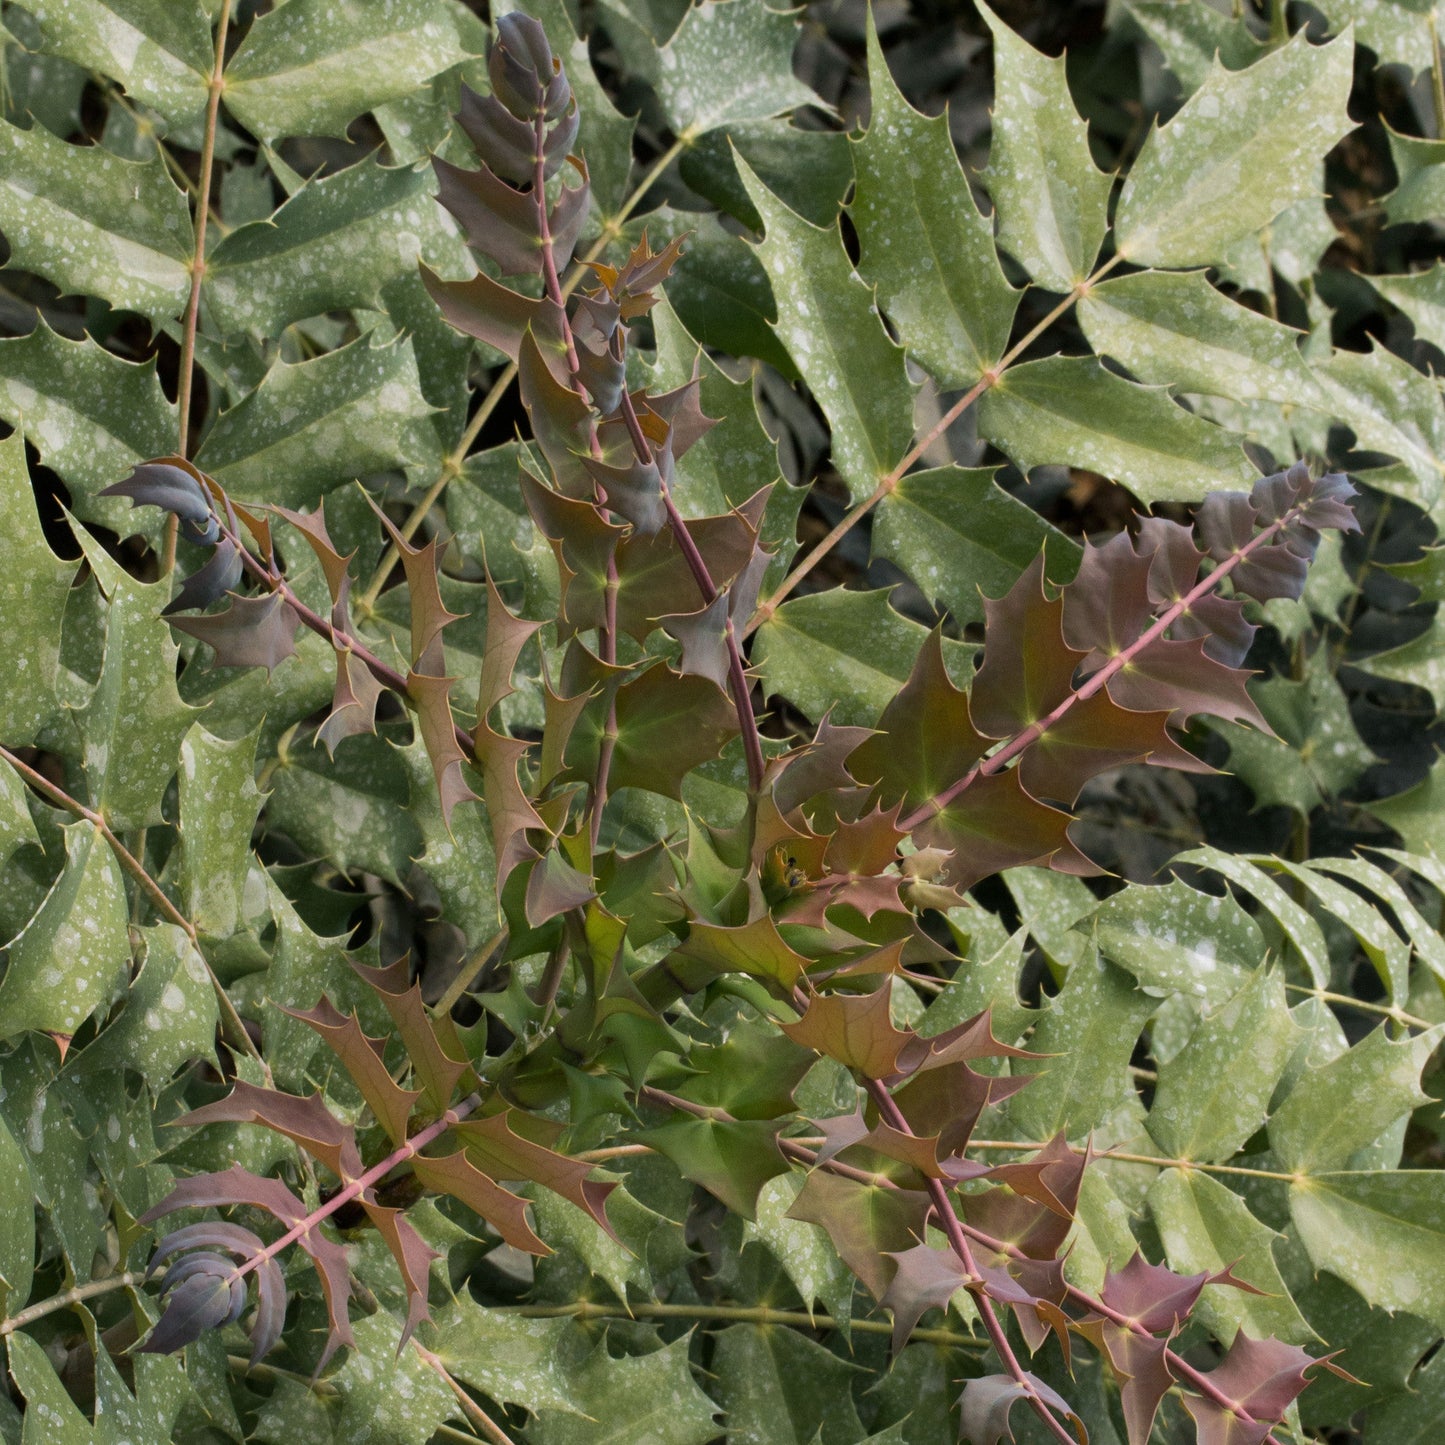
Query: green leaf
(458, 859)
(17, 1225)
(350, 810)
(308, 427)
(510, 1359)
(1317, 753)
(160, 51)
(828, 322)
(1052, 202)
(922, 241)
(960, 537)
(1412, 1419)
(335, 244)
(805, 1253)
(1364, 1227)
(95, 224)
(731, 1159)
(1398, 33)
(1177, 330)
(1203, 1226)
(1391, 408)
(311, 66)
(1185, 202)
(1378, 1081)
(719, 289)
(388, 1394)
(46, 1399)
(810, 171)
(34, 584)
(1421, 296)
(844, 650)
(92, 417)
(779, 1386)
(1191, 34)
(1420, 166)
(1070, 411)
(1176, 940)
(219, 801)
(634, 1400)
(1298, 926)
(73, 957)
(169, 1016)
(132, 723)
(1418, 814)
(1091, 1027)
(1215, 1092)
(1419, 662)
(728, 61)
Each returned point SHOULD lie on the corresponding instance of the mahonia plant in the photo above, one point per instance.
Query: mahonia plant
(517, 917)
(817, 894)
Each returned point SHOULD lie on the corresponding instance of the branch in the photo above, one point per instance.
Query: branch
(232, 1029)
(198, 267)
(1097, 680)
(890, 482)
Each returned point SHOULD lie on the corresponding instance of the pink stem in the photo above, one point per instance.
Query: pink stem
(995, 761)
(362, 1183)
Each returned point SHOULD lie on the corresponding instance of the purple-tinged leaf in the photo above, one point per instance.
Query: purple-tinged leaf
(312, 526)
(857, 1030)
(703, 635)
(1261, 1377)
(203, 1296)
(554, 888)
(432, 696)
(924, 1278)
(507, 635)
(525, 75)
(437, 1071)
(209, 583)
(504, 1211)
(413, 1257)
(1140, 1365)
(174, 485)
(307, 1122)
(508, 807)
(1153, 1296)
(493, 313)
(1027, 668)
(866, 1222)
(362, 1058)
(494, 1145)
(251, 632)
(988, 1399)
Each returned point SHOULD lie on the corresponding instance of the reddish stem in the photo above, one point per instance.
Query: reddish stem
(737, 671)
(409, 1150)
(1011, 749)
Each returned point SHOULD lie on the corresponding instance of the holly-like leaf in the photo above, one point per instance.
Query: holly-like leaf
(132, 723)
(1206, 1227)
(728, 62)
(310, 426)
(160, 52)
(95, 224)
(988, 1400)
(169, 1016)
(1091, 1027)
(1182, 205)
(960, 536)
(92, 417)
(1191, 34)
(1052, 201)
(311, 69)
(857, 1030)
(826, 321)
(1203, 1112)
(34, 584)
(1261, 1377)
(1380, 1078)
(72, 958)
(250, 632)
(1071, 411)
(1175, 939)
(845, 653)
(866, 1222)
(922, 241)
(1177, 330)
(335, 244)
